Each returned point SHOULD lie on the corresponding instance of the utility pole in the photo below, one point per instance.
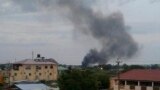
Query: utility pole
(32, 55)
(118, 72)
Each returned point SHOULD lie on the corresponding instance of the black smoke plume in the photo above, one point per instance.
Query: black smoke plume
(109, 30)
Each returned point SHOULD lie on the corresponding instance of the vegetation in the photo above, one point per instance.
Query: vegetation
(76, 79)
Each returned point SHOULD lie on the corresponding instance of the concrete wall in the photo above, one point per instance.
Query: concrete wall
(126, 86)
(33, 74)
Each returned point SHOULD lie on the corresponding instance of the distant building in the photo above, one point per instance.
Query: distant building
(32, 69)
(137, 79)
(61, 69)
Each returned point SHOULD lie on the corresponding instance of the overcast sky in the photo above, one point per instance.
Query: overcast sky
(26, 26)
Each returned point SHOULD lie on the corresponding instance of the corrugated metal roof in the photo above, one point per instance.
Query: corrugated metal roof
(141, 75)
(32, 86)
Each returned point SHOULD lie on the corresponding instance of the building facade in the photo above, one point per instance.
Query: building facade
(33, 69)
(137, 80)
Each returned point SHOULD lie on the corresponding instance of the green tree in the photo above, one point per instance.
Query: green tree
(83, 80)
(102, 78)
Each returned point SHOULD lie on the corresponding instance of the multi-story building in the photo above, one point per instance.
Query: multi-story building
(137, 79)
(34, 69)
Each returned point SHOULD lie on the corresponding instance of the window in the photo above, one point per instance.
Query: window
(157, 84)
(28, 67)
(50, 74)
(146, 83)
(132, 83)
(15, 74)
(29, 74)
(122, 82)
(38, 67)
(51, 66)
(46, 67)
(40, 74)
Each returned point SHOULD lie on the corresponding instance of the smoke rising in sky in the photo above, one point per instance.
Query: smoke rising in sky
(109, 30)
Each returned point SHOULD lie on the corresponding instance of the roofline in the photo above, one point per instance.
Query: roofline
(36, 64)
(138, 80)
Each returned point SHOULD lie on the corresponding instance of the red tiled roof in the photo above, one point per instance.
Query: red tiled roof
(141, 75)
(30, 61)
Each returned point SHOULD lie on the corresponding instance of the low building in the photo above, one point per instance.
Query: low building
(32, 70)
(61, 69)
(137, 79)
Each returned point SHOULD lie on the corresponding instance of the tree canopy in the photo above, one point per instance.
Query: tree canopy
(77, 79)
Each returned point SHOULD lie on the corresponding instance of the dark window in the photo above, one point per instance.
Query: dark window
(29, 74)
(40, 74)
(38, 67)
(122, 82)
(15, 74)
(157, 84)
(133, 83)
(46, 67)
(146, 83)
(51, 66)
(50, 73)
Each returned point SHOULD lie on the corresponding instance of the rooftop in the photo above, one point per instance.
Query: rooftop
(32, 86)
(141, 75)
(36, 61)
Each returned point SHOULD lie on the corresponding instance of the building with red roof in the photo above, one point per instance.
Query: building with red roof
(137, 79)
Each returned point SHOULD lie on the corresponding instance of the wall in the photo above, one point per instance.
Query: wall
(33, 74)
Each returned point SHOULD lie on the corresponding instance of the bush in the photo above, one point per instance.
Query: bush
(83, 80)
